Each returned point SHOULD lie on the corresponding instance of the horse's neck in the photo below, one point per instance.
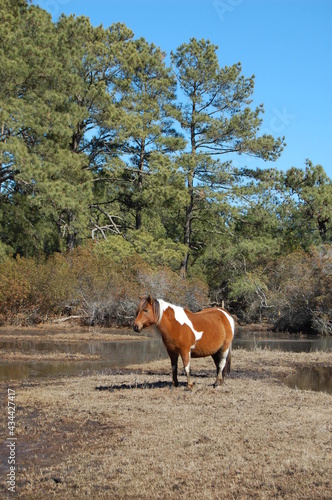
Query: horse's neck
(163, 325)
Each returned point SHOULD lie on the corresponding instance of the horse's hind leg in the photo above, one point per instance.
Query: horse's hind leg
(222, 360)
(227, 367)
(217, 359)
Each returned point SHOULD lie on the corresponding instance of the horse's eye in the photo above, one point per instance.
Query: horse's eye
(146, 310)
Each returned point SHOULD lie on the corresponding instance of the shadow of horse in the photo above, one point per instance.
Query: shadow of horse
(161, 384)
(158, 384)
(142, 385)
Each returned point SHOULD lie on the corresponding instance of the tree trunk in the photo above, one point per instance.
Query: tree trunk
(187, 225)
(140, 187)
(71, 234)
(190, 187)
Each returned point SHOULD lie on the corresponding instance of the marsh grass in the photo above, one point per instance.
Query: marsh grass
(129, 435)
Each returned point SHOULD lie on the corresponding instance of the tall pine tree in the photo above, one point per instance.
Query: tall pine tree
(218, 120)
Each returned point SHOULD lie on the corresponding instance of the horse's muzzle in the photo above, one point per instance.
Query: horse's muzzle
(136, 329)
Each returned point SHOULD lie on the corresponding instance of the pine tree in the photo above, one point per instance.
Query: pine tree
(145, 136)
(218, 120)
(42, 175)
(93, 59)
(307, 202)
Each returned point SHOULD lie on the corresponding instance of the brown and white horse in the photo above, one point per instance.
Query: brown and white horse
(206, 333)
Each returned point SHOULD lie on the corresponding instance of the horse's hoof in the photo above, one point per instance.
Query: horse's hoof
(189, 387)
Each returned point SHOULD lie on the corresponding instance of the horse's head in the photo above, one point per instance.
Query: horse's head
(147, 313)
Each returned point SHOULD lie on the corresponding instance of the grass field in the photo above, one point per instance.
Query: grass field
(129, 435)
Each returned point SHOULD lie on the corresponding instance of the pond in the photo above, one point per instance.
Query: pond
(111, 354)
(281, 341)
(317, 378)
(118, 354)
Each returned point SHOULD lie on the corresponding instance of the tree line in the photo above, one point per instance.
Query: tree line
(105, 139)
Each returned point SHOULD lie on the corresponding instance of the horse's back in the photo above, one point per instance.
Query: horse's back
(216, 317)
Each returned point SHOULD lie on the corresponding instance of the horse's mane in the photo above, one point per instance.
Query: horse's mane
(156, 309)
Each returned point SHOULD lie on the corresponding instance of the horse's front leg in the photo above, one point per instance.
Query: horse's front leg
(174, 360)
(185, 355)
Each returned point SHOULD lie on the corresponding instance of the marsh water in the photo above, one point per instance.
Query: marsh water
(118, 354)
(110, 354)
(317, 378)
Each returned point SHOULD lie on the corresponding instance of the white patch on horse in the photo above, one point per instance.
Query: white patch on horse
(222, 363)
(180, 316)
(230, 319)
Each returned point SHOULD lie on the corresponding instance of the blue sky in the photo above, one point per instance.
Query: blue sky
(286, 44)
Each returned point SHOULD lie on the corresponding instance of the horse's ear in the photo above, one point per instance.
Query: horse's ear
(149, 299)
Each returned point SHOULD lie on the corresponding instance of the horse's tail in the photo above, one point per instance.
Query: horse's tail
(227, 368)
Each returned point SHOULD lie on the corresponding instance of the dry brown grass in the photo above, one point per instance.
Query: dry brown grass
(129, 435)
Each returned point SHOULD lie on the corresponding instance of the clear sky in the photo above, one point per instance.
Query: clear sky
(286, 44)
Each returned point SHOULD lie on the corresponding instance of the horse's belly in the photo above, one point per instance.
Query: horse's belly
(206, 347)
(199, 353)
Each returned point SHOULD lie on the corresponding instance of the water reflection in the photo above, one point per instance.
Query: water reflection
(116, 354)
(314, 378)
(281, 342)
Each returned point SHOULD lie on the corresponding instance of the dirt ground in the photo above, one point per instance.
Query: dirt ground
(129, 435)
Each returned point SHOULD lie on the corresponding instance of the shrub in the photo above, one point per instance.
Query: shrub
(169, 285)
(15, 287)
(90, 283)
(31, 290)
(293, 292)
(301, 289)
(104, 290)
